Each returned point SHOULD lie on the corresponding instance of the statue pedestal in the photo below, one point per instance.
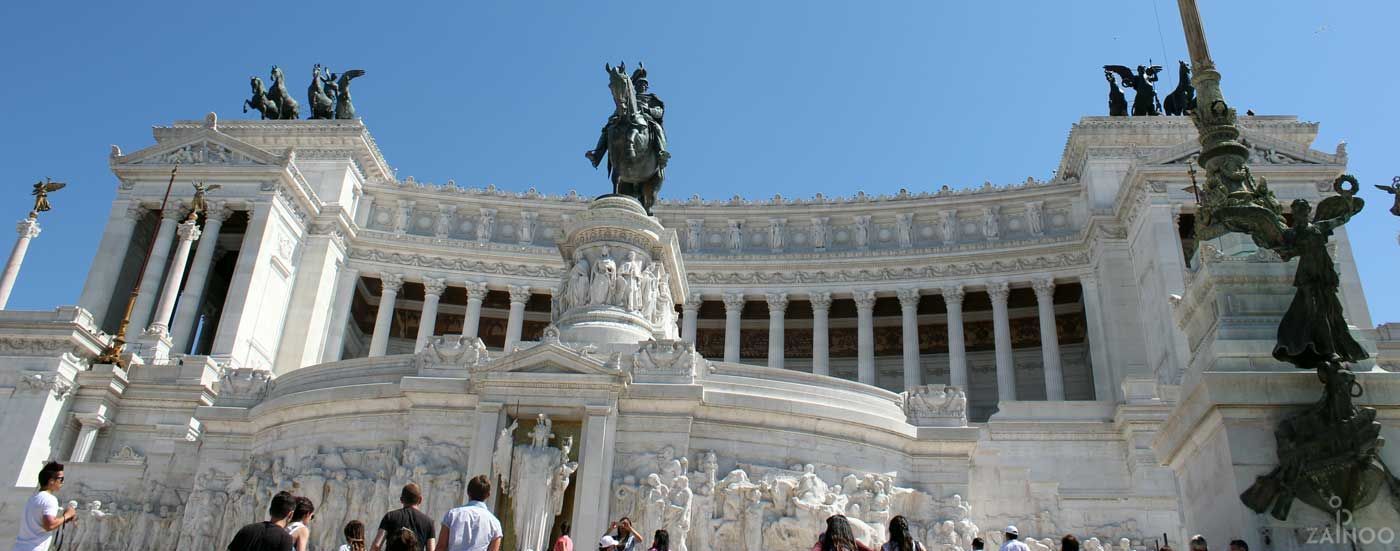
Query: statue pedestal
(624, 276)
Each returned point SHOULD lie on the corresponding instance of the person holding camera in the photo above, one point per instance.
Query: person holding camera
(41, 513)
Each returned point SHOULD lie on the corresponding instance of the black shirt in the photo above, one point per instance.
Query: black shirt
(261, 536)
(412, 519)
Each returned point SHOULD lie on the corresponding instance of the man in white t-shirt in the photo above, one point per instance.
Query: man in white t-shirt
(41, 513)
(471, 527)
(1012, 540)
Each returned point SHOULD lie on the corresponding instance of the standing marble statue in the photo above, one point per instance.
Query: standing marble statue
(537, 480)
(560, 481)
(574, 287)
(604, 272)
(628, 289)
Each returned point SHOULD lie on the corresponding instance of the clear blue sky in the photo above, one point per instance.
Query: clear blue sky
(762, 97)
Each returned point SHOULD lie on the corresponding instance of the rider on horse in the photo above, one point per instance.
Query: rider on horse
(653, 110)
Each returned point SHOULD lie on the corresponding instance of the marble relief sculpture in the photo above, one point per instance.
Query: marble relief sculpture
(936, 405)
(635, 284)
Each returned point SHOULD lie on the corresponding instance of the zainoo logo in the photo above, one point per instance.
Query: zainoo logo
(1343, 531)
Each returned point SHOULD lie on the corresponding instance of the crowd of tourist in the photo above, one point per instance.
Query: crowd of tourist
(470, 527)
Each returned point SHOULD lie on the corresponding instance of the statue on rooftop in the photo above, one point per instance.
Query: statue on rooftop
(343, 108)
(1183, 98)
(1143, 83)
(287, 107)
(633, 139)
(265, 107)
(1117, 103)
(321, 93)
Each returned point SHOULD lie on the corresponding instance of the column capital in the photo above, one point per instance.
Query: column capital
(777, 302)
(693, 301)
(95, 420)
(1044, 288)
(953, 294)
(908, 297)
(187, 231)
(999, 291)
(434, 286)
(865, 298)
(821, 300)
(733, 302)
(1089, 280)
(27, 228)
(218, 212)
(519, 294)
(173, 212)
(135, 211)
(476, 289)
(390, 283)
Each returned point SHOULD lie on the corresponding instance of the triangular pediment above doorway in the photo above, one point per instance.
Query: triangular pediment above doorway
(204, 147)
(550, 358)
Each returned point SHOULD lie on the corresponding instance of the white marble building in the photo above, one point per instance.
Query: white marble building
(1057, 354)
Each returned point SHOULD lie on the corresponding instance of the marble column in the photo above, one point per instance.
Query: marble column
(187, 308)
(476, 292)
(821, 336)
(733, 309)
(519, 295)
(28, 229)
(957, 348)
(100, 288)
(489, 419)
(90, 424)
(154, 270)
(345, 289)
(909, 316)
(777, 311)
(690, 314)
(1049, 340)
(865, 336)
(384, 316)
(1001, 325)
(186, 234)
(594, 493)
(427, 323)
(1104, 385)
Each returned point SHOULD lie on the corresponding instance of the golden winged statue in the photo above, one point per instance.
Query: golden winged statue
(41, 196)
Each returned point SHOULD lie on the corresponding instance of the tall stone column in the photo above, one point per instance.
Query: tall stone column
(1001, 325)
(733, 309)
(340, 316)
(384, 316)
(1049, 340)
(1104, 385)
(865, 336)
(155, 270)
(427, 323)
(821, 332)
(909, 315)
(100, 288)
(594, 490)
(187, 308)
(187, 233)
(519, 295)
(28, 229)
(777, 311)
(90, 424)
(476, 292)
(957, 348)
(690, 314)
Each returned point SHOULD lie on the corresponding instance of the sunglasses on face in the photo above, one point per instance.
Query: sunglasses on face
(60, 479)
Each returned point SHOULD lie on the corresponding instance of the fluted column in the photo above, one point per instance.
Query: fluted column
(821, 336)
(1104, 385)
(384, 317)
(690, 314)
(519, 295)
(90, 424)
(957, 348)
(187, 308)
(865, 336)
(28, 229)
(733, 309)
(909, 315)
(155, 269)
(1049, 340)
(340, 315)
(1001, 325)
(427, 323)
(476, 292)
(777, 312)
(187, 233)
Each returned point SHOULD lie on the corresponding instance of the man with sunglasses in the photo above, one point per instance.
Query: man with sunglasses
(41, 513)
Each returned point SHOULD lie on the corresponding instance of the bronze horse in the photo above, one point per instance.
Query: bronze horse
(1183, 98)
(287, 107)
(320, 93)
(260, 102)
(634, 158)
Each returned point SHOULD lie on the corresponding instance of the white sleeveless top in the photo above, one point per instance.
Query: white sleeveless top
(292, 529)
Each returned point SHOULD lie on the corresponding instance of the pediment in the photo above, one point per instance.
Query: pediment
(205, 147)
(550, 359)
(1263, 150)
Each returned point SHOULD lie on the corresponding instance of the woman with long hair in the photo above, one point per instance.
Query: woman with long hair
(299, 527)
(402, 540)
(838, 536)
(354, 536)
(661, 541)
(900, 538)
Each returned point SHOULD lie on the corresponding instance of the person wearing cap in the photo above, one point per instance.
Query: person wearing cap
(607, 543)
(1012, 543)
(1198, 543)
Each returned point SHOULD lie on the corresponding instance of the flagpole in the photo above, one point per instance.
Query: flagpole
(112, 354)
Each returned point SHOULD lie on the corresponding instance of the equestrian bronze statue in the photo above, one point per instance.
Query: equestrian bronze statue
(633, 140)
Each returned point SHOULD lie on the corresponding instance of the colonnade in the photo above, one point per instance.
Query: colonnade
(433, 288)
